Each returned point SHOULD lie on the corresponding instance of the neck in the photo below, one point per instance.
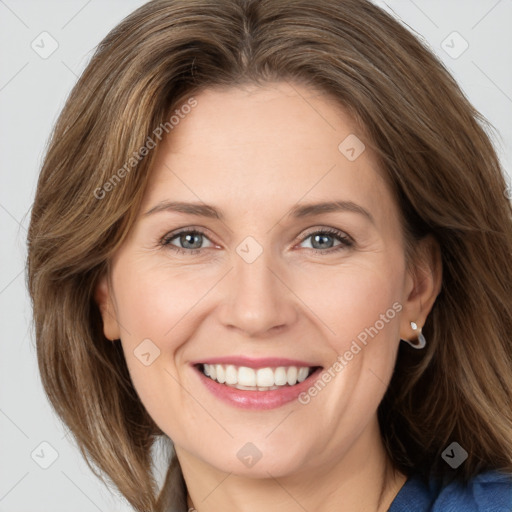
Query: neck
(361, 479)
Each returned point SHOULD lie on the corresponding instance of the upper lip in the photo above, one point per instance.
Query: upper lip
(264, 362)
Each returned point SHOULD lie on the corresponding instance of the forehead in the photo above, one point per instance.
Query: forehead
(279, 142)
(253, 115)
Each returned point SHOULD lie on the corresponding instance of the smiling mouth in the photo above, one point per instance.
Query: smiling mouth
(252, 379)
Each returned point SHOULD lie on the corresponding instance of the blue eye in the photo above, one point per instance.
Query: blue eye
(191, 241)
(187, 238)
(320, 237)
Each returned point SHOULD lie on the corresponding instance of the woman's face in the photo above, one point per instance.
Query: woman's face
(263, 290)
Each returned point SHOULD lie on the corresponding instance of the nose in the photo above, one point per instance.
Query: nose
(256, 299)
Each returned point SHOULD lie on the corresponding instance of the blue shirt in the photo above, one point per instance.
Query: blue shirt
(490, 491)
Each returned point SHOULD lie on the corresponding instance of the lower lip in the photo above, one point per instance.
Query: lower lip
(257, 399)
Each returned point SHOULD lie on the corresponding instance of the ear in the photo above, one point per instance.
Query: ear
(103, 297)
(422, 286)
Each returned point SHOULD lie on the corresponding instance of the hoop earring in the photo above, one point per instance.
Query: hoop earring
(420, 342)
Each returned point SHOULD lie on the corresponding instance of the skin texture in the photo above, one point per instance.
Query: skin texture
(254, 153)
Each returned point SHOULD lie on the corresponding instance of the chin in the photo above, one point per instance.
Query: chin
(257, 460)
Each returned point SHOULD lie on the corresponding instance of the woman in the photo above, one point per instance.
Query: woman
(374, 373)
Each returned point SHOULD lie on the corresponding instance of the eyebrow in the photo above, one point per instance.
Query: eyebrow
(299, 211)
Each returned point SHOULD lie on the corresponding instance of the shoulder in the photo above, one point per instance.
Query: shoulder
(490, 491)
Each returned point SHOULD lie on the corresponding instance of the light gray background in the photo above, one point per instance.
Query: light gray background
(32, 92)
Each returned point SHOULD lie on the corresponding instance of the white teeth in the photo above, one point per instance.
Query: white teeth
(302, 374)
(291, 375)
(280, 378)
(265, 377)
(246, 376)
(245, 388)
(231, 375)
(262, 379)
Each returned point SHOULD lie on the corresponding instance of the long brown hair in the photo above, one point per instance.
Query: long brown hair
(433, 146)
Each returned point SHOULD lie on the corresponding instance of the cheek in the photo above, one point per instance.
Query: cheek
(359, 310)
(159, 308)
(357, 302)
(152, 308)
(153, 301)
(149, 308)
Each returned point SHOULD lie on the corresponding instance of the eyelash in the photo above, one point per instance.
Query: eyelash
(346, 241)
